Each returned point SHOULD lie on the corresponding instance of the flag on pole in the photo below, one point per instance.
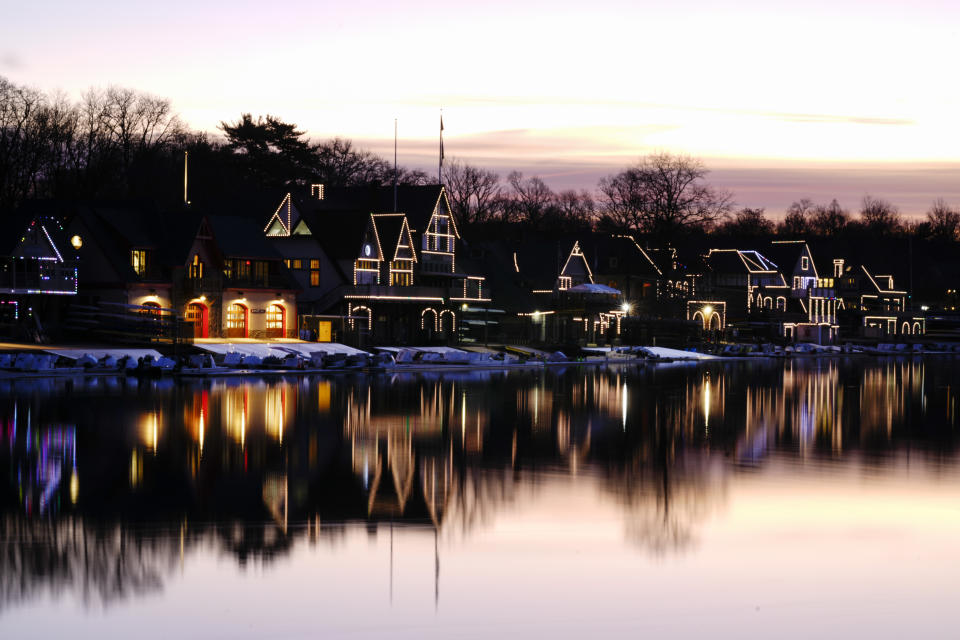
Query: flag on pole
(441, 138)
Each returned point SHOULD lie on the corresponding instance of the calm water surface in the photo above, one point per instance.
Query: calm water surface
(751, 499)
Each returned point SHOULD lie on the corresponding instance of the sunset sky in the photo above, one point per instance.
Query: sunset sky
(782, 100)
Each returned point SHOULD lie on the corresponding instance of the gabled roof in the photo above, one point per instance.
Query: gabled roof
(880, 282)
(630, 256)
(786, 253)
(390, 227)
(739, 261)
(15, 224)
(576, 263)
(115, 227)
(240, 237)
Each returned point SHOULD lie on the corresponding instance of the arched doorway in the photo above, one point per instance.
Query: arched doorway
(448, 322)
(276, 321)
(150, 309)
(715, 323)
(698, 317)
(916, 329)
(197, 316)
(237, 315)
(429, 322)
(905, 330)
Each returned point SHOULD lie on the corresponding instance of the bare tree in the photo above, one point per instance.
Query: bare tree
(747, 222)
(663, 193)
(943, 220)
(339, 164)
(797, 220)
(576, 209)
(529, 199)
(880, 216)
(830, 219)
(472, 191)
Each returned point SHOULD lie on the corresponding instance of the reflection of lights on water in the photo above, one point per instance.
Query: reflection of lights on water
(275, 405)
(624, 406)
(463, 417)
(136, 469)
(201, 431)
(536, 408)
(150, 430)
(706, 405)
(74, 487)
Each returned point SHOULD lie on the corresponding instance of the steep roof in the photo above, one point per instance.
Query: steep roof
(240, 237)
(15, 224)
(417, 201)
(117, 226)
(785, 255)
(389, 228)
(630, 256)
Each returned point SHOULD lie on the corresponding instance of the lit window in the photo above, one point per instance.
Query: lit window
(298, 264)
(196, 267)
(314, 264)
(314, 278)
(804, 263)
(138, 260)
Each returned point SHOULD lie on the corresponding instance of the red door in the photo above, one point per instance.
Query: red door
(197, 315)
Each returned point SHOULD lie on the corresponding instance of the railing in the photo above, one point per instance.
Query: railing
(25, 275)
(196, 287)
(413, 292)
(270, 281)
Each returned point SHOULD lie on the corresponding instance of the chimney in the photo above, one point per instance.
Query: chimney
(838, 267)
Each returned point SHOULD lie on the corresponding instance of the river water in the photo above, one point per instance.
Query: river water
(816, 498)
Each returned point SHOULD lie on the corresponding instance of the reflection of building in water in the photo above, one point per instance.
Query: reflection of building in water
(398, 446)
(46, 476)
(261, 409)
(801, 409)
(705, 397)
(887, 393)
(245, 462)
(664, 503)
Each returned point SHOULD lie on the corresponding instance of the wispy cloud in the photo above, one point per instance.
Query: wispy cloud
(567, 101)
(10, 60)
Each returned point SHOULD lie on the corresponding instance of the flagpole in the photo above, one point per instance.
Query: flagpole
(440, 166)
(395, 210)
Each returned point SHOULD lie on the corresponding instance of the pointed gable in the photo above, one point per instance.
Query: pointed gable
(575, 270)
(370, 245)
(284, 220)
(37, 243)
(393, 232)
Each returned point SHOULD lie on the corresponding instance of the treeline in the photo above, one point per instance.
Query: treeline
(119, 143)
(667, 196)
